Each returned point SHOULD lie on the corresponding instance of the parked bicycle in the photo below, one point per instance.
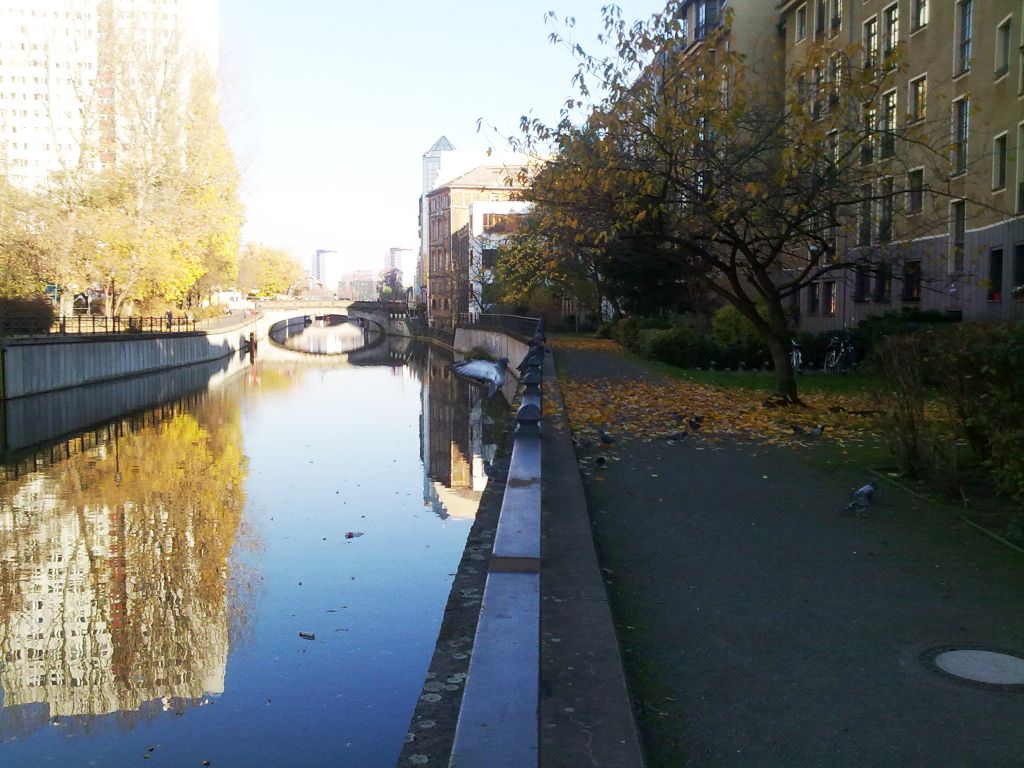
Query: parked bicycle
(841, 356)
(795, 355)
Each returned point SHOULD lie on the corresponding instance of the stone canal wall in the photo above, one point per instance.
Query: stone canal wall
(497, 343)
(34, 366)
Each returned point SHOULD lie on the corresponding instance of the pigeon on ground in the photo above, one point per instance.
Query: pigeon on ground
(818, 431)
(861, 499)
(600, 461)
(605, 438)
(677, 436)
(695, 423)
(798, 430)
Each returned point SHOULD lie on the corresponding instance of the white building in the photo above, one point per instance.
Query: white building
(490, 224)
(53, 97)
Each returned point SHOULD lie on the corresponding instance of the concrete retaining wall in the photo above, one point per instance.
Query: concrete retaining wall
(34, 366)
(496, 343)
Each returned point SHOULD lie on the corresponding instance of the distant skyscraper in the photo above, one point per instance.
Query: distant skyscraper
(326, 269)
(56, 93)
(393, 260)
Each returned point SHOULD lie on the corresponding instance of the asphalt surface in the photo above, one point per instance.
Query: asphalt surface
(760, 626)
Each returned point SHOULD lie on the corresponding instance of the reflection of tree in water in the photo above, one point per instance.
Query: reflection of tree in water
(114, 572)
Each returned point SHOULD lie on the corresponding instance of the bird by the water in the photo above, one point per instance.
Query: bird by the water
(605, 437)
(483, 371)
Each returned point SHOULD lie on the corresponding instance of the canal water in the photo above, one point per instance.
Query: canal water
(251, 572)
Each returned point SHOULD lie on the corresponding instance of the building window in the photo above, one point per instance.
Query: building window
(813, 298)
(830, 298)
(964, 17)
(888, 144)
(995, 274)
(817, 91)
(883, 282)
(867, 147)
(999, 162)
(820, 22)
(885, 198)
(918, 14)
(870, 42)
(1003, 48)
(915, 190)
(801, 23)
(958, 233)
(918, 98)
(835, 78)
(864, 216)
(835, 15)
(912, 280)
(862, 282)
(891, 30)
(961, 132)
(707, 15)
(1018, 272)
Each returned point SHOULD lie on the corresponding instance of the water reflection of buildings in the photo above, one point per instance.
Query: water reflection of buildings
(458, 439)
(113, 568)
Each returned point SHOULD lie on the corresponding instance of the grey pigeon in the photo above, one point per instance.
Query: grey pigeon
(861, 499)
(677, 436)
(818, 431)
(484, 371)
(605, 438)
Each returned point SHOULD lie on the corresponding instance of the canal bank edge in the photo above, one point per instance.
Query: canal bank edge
(584, 710)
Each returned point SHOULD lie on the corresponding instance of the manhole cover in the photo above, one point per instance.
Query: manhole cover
(987, 667)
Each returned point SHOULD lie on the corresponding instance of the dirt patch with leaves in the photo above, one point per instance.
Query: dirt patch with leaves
(661, 407)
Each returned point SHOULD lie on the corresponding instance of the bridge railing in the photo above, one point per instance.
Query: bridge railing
(517, 325)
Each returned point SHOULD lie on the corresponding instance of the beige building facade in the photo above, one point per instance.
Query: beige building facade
(448, 208)
(953, 70)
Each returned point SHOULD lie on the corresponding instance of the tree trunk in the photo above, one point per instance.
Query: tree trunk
(784, 376)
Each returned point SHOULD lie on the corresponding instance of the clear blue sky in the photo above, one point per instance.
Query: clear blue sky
(331, 104)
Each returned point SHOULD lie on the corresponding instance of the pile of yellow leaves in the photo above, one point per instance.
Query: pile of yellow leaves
(655, 409)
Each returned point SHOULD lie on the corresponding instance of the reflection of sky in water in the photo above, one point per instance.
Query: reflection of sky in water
(329, 451)
(328, 340)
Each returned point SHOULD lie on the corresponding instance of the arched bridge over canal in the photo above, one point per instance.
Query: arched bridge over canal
(378, 321)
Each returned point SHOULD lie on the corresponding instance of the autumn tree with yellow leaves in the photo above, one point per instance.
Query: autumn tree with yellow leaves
(689, 164)
(148, 211)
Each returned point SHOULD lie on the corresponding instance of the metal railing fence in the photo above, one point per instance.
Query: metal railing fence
(71, 325)
(517, 325)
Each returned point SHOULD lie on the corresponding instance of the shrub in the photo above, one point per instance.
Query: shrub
(680, 345)
(738, 342)
(626, 330)
(978, 369)
(25, 315)
(974, 368)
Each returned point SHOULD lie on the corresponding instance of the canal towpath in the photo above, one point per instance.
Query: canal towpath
(758, 624)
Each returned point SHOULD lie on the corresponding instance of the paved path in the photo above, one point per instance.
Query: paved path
(760, 627)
